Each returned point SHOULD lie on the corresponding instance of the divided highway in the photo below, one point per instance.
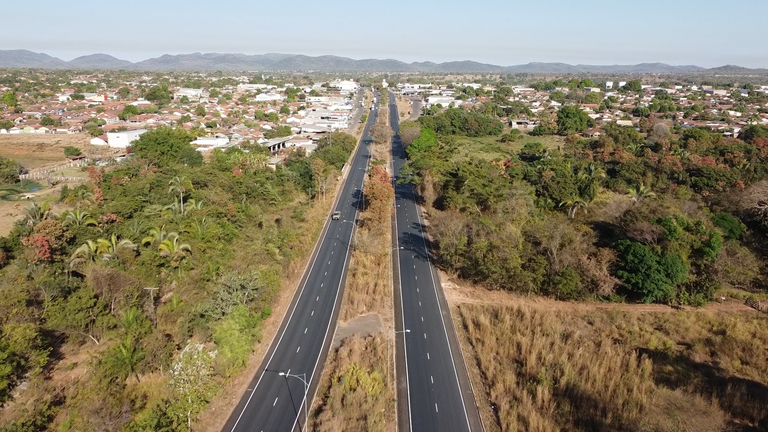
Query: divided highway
(275, 399)
(434, 393)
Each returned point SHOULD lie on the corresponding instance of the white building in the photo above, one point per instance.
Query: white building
(344, 86)
(608, 85)
(190, 93)
(442, 100)
(205, 144)
(266, 97)
(123, 139)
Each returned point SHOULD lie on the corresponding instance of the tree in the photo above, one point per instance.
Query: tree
(70, 151)
(166, 146)
(280, 131)
(180, 185)
(751, 132)
(426, 140)
(9, 171)
(381, 133)
(640, 192)
(123, 360)
(173, 248)
(593, 98)
(124, 92)
(633, 85)
(200, 111)
(557, 96)
(79, 218)
(191, 382)
(128, 112)
(9, 99)
(659, 132)
(159, 94)
(571, 119)
(653, 276)
(285, 110)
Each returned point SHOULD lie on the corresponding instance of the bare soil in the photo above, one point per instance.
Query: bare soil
(40, 150)
(362, 326)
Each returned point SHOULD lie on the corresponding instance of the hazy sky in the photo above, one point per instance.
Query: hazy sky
(505, 32)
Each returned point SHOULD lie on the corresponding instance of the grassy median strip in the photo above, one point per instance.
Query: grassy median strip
(356, 392)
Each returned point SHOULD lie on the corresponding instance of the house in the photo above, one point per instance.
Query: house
(124, 139)
(442, 100)
(344, 86)
(205, 144)
(190, 93)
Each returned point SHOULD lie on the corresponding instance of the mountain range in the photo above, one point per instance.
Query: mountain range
(327, 63)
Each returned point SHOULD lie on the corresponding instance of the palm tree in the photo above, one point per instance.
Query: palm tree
(574, 204)
(109, 247)
(589, 177)
(198, 228)
(180, 185)
(35, 213)
(132, 320)
(126, 358)
(634, 148)
(135, 228)
(79, 218)
(640, 193)
(173, 248)
(88, 251)
(155, 237)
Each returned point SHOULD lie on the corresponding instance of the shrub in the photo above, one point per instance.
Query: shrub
(732, 228)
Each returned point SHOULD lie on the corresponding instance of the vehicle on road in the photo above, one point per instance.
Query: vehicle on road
(336, 215)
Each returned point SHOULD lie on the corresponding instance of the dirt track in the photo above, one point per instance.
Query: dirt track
(458, 292)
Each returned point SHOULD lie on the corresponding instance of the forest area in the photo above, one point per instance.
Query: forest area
(657, 217)
(561, 228)
(129, 302)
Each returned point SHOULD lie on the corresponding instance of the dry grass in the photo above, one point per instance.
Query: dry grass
(403, 107)
(354, 394)
(354, 388)
(35, 151)
(612, 370)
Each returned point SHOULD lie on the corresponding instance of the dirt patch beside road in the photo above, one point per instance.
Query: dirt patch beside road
(40, 150)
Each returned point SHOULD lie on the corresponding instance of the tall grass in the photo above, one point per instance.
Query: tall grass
(610, 370)
(354, 394)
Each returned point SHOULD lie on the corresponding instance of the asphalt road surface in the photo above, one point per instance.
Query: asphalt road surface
(275, 403)
(436, 395)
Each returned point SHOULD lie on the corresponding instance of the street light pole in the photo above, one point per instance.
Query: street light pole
(306, 390)
(394, 335)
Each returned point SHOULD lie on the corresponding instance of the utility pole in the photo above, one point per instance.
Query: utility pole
(152, 300)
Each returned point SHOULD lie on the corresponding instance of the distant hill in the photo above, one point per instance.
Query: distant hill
(329, 63)
(29, 59)
(99, 61)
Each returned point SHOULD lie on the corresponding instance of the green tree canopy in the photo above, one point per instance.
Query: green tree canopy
(571, 119)
(165, 146)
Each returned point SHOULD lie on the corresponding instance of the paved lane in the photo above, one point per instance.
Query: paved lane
(275, 403)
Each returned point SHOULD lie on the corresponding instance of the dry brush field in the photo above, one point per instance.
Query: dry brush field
(550, 369)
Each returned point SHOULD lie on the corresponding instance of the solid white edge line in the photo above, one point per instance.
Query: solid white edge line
(402, 315)
(301, 293)
(440, 308)
(336, 299)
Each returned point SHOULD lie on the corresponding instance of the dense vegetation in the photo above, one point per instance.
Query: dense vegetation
(656, 217)
(155, 276)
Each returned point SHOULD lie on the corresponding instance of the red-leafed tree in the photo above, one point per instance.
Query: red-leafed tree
(380, 194)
